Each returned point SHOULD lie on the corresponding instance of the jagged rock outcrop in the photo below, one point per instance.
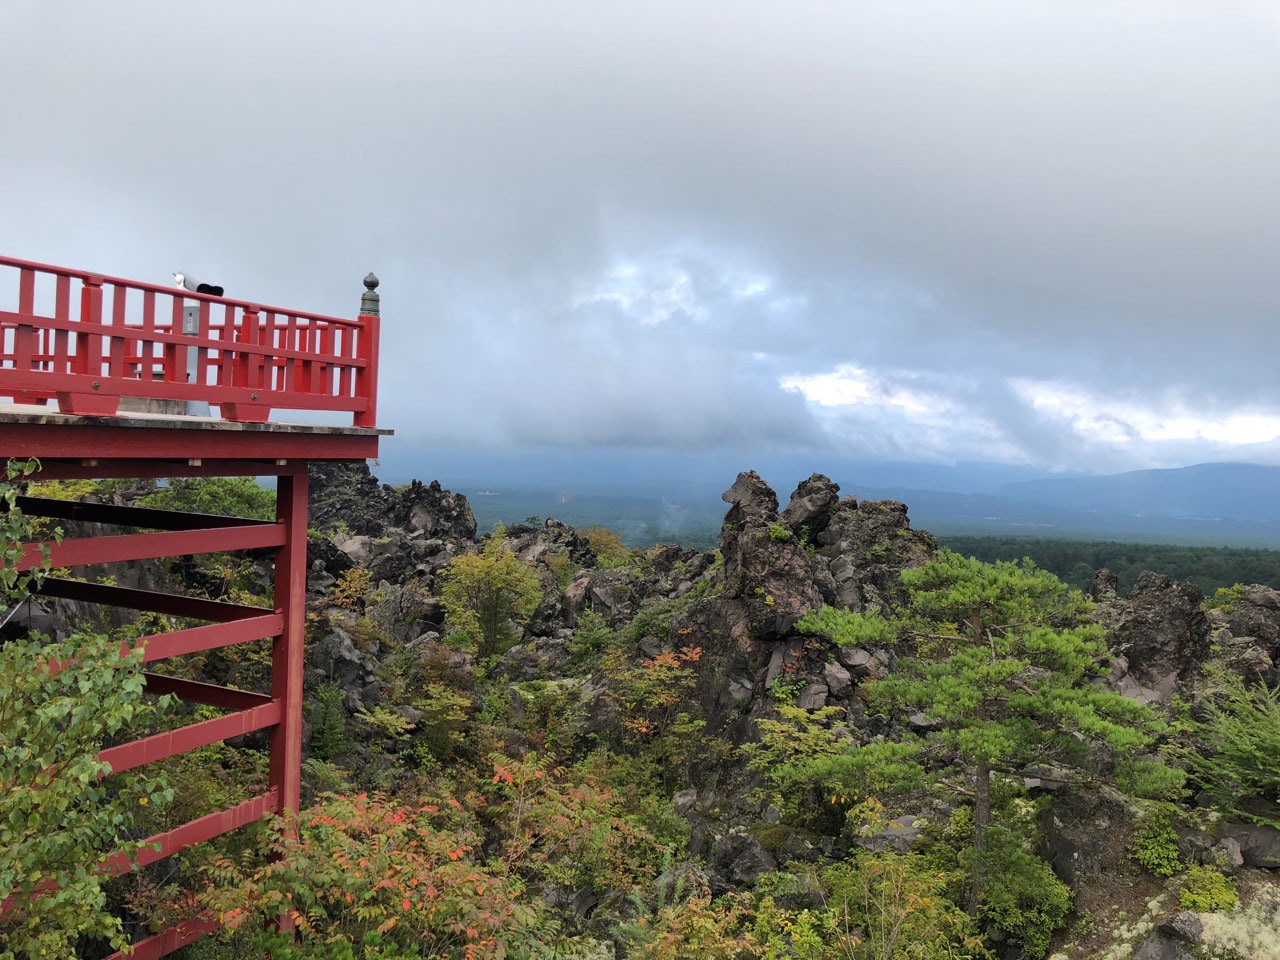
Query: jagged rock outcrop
(811, 507)
(348, 494)
(766, 566)
(777, 567)
(609, 593)
(867, 545)
(1247, 631)
(821, 549)
(338, 658)
(396, 534)
(1103, 586)
(350, 497)
(431, 510)
(1159, 636)
(576, 546)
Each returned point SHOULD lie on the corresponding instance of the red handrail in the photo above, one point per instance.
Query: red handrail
(125, 338)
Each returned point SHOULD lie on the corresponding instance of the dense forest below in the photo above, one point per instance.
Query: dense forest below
(1076, 561)
(825, 738)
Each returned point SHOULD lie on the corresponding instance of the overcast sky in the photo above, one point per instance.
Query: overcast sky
(1042, 233)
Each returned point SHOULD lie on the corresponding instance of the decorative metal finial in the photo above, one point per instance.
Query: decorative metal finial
(369, 299)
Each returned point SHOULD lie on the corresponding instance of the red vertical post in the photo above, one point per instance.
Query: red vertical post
(24, 338)
(119, 345)
(88, 355)
(287, 649)
(367, 376)
(86, 361)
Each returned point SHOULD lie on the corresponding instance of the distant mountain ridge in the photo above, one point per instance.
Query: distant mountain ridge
(1206, 491)
(668, 499)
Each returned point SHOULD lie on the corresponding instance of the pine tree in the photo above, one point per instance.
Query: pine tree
(1003, 664)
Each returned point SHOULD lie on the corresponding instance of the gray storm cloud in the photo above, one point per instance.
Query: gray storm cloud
(626, 225)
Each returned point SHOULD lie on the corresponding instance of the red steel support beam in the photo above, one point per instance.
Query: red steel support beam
(175, 643)
(166, 844)
(129, 516)
(126, 438)
(163, 944)
(150, 546)
(209, 694)
(287, 651)
(191, 737)
(108, 469)
(152, 601)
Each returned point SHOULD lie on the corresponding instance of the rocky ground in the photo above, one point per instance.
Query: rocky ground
(377, 557)
(740, 604)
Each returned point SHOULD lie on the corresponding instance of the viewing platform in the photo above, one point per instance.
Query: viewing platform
(107, 378)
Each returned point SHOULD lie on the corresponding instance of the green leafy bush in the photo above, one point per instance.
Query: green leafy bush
(351, 588)
(1155, 842)
(488, 594)
(1021, 896)
(61, 816)
(222, 496)
(608, 547)
(368, 872)
(898, 902)
(1204, 890)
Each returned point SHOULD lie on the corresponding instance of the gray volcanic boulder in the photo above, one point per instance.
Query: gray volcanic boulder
(766, 566)
(1248, 631)
(812, 505)
(574, 544)
(1259, 844)
(1086, 833)
(431, 509)
(347, 493)
(752, 500)
(1160, 631)
(1256, 614)
(867, 545)
(610, 593)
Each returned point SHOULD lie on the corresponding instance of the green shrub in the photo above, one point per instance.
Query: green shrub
(847, 628)
(352, 586)
(1205, 890)
(591, 636)
(1155, 843)
(328, 722)
(1021, 896)
(1225, 598)
(221, 496)
(899, 902)
(1235, 758)
(608, 547)
(489, 595)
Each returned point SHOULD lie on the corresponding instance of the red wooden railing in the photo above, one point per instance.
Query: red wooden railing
(102, 338)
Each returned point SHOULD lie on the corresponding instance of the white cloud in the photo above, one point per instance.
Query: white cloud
(1099, 418)
(625, 223)
(851, 385)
